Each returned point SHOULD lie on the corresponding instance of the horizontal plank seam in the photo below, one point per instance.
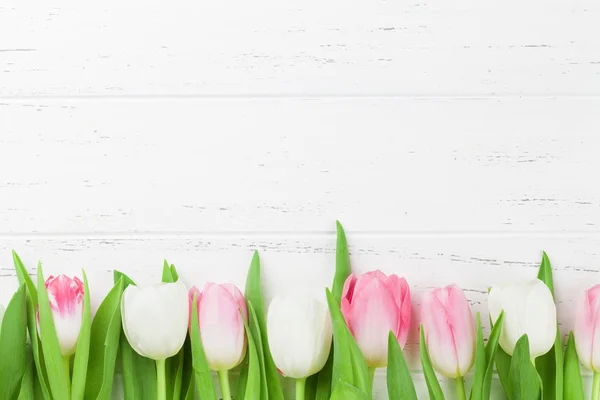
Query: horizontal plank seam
(294, 234)
(332, 96)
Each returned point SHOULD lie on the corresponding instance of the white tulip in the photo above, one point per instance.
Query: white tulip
(155, 318)
(528, 309)
(299, 331)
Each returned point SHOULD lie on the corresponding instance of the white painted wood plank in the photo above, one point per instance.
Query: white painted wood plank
(285, 47)
(381, 165)
(305, 264)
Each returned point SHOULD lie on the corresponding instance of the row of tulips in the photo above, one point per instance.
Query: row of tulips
(169, 340)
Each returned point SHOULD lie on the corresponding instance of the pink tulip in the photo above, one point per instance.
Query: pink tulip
(373, 305)
(221, 324)
(66, 303)
(587, 329)
(449, 330)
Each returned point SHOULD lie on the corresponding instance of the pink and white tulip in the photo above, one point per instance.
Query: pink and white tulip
(587, 329)
(449, 330)
(66, 304)
(221, 324)
(373, 305)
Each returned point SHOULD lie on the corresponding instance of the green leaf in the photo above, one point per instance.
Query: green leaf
(256, 335)
(24, 277)
(524, 379)
(484, 360)
(480, 363)
(13, 348)
(57, 376)
(345, 391)
(399, 382)
(491, 350)
(203, 374)
(80, 365)
(167, 275)
(187, 379)
(433, 386)
(323, 390)
(26, 391)
(342, 263)
(349, 364)
(503, 361)
(545, 272)
(105, 332)
(173, 365)
(573, 385)
(550, 365)
(253, 384)
(126, 280)
(253, 294)
(32, 303)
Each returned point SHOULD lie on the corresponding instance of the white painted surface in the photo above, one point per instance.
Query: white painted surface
(454, 140)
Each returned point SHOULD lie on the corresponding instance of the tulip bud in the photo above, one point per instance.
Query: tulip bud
(529, 309)
(373, 305)
(221, 324)
(66, 304)
(155, 318)
(300, 333)
(587, 327)
(449, 330)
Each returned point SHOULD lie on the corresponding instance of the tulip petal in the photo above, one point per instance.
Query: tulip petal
(299, 331)
(438, 333)
(373, 314)
(238, 297)
(221, 328)
(347, 294)
(401, 292)
(587, 328)
(540, 319)
(528, 309)
(155, 318)
(66, 303)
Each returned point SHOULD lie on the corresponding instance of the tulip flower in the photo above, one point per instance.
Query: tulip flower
(66, 304)
(586, 331)
(300, 332)
(529, 309)
(155, 321)
(221, 314)
(373, 305)
(449, 333)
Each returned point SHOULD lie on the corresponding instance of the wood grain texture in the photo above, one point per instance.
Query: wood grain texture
(277, 165)
(455, 140)
(283, 47)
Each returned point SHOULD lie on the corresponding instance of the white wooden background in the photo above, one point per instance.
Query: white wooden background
(455, 140)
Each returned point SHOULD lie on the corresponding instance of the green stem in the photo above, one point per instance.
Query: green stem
(67, 367)
(596, 386)
(461, 394)
(372, 375)
(224, 381)
(161, 380)
(300, 386)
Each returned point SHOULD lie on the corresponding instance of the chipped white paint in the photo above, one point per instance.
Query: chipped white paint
(455, 141)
